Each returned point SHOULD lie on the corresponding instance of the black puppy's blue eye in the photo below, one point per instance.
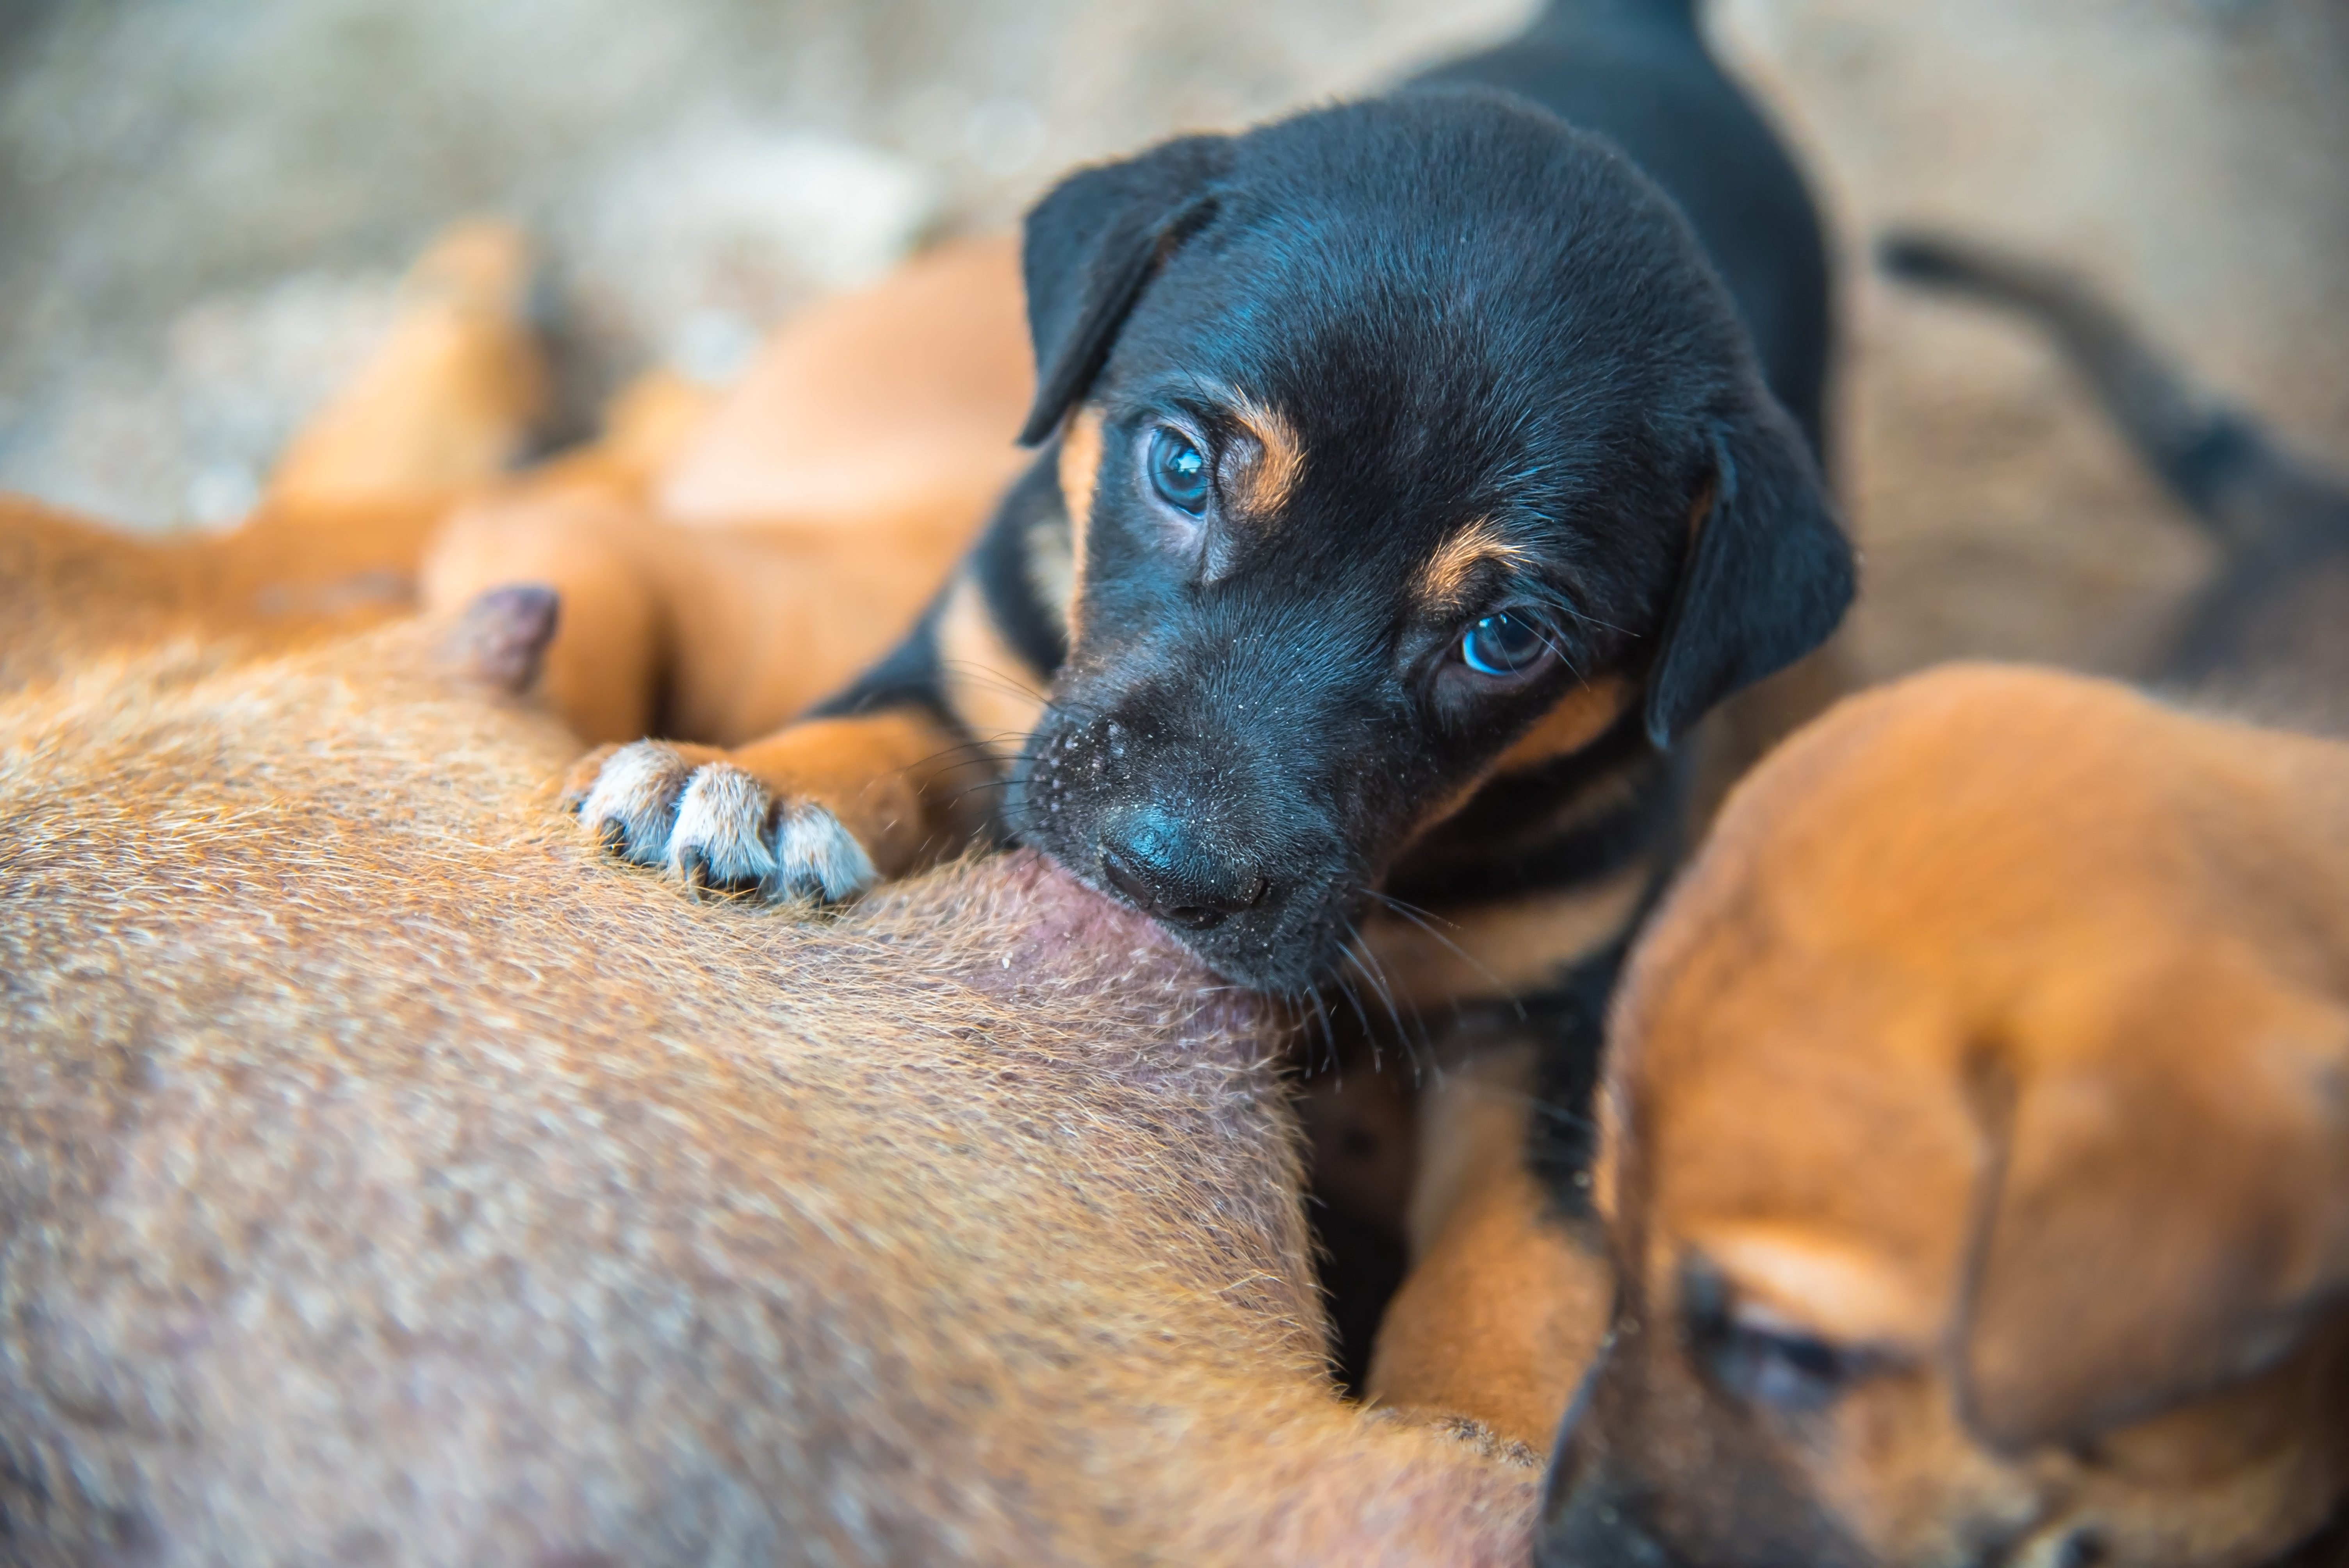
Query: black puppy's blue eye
(1178, 470)
(1508, 643)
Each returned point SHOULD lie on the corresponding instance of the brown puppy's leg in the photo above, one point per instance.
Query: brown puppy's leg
(448, 401)
(653, 419)
(821, 810)
(1508, 1300)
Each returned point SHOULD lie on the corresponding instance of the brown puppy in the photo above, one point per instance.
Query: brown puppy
(1976, 1152)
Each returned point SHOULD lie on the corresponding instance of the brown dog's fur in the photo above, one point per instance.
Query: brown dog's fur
(1507, 1298)
(1998, 1040)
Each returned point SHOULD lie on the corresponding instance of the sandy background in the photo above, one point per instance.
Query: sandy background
(202, 206)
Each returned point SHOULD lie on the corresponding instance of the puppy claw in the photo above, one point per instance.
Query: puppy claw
(817, 857)
(718, 840)
(632, 806)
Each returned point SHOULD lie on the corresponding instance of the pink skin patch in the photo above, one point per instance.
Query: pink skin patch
(1078, 946)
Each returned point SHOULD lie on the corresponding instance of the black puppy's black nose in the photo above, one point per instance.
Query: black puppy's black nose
(1153, 859)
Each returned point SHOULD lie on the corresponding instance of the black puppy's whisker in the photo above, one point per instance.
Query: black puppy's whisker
(1357, 953)
(1361, 1014)
(993, 679)
(1401, 906)
(1563, 1115)
(981, 753)
(1302, 1014)
(1003, 749)
(1415, 914)
(1551, 599)
(969, 789)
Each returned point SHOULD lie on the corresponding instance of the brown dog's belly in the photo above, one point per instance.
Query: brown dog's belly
(378, 1174)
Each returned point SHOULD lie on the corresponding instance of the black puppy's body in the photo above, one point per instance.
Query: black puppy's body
(1409, 485)
(1638, 72)
(1446, 358)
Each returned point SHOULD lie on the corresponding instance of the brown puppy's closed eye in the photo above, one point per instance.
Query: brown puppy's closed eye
(1977, 1151)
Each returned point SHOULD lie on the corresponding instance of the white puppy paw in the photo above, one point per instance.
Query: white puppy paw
(632, 804)
(817, 857)
(718, 838)
(711, 827)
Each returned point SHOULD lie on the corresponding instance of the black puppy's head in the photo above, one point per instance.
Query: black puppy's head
(1397, 438)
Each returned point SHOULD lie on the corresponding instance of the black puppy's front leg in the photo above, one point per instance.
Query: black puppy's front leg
(897, 772)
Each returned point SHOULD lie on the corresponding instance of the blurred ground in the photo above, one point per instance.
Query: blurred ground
(202, 205)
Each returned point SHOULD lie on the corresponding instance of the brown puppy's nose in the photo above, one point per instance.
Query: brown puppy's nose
(1151, 857)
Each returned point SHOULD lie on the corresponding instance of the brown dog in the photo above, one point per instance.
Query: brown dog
(1976, 1152)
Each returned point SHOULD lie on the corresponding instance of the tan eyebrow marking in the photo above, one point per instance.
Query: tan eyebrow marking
(1264, 483)
(1444, 580)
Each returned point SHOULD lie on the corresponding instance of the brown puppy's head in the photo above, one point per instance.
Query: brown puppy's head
(1976, 1153)
(1393, 437)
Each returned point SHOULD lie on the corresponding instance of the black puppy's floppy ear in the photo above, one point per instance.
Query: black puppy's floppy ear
(1089, 248)
(2170, 1215)
(1767, 577)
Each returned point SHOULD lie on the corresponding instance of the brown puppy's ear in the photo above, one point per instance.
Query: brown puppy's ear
(1767, 577)
(2172, 1216)
(1089, 248)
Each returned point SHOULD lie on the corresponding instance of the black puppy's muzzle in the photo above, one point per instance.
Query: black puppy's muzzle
(1167, 869)
(1198, 828)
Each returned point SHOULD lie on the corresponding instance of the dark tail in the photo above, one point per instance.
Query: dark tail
(2202, 449)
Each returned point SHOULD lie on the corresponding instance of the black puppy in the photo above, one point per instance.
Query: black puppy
(1409, 484)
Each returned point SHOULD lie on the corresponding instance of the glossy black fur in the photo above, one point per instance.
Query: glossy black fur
(1638, 72)
(1466, 310)
(1463, 309)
